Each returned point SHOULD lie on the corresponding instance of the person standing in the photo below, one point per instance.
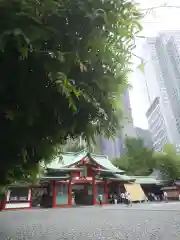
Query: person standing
(111, 198)
(115, 199)
(100, 199)
(165, 197)
(129, 199)
(122, 197)
(126, 198)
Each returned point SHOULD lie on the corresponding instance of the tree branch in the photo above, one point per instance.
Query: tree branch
(156, 7)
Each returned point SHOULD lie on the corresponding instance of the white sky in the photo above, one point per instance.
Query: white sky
(159, 19)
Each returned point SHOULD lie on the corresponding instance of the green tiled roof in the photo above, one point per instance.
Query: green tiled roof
(147, 180)
(103, 161)
(137, 179)
(70, 159)
(125, 177)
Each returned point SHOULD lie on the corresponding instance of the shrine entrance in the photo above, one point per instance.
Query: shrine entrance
(82, 194)
(115, 188)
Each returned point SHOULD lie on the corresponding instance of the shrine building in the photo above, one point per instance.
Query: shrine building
(78, 179)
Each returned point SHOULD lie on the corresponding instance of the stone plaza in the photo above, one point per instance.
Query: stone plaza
(160, 221)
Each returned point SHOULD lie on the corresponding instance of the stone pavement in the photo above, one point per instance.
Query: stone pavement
(156, 221)
(149, 206)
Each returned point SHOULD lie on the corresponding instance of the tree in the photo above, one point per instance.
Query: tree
(168, 162)
(63, 66)
(142, 161)
(74, 145)
(138, 159)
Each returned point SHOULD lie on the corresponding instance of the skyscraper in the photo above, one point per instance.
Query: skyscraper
(114, 148)
(145, 135)
(128, 127)
(164, 63)
(157, 126)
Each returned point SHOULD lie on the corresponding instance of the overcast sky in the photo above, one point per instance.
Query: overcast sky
(160, 19)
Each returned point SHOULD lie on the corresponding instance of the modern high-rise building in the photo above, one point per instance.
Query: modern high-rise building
(114, 148)
(128, 126)
(145, 135)
(157, 126)
(162, 78)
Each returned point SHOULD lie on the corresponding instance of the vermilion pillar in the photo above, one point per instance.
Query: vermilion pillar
(54, 193)
(93, 191)
(106, 191)
(3, 203)
(4, 199)
(70, 193)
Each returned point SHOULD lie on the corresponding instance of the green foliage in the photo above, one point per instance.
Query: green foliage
(122, 163)
(168, 165)
(168, 162)
(74, 145)
(141, 161)
(63, 67)
(77, 145)
(170, 150)
(138, 159)
(141, 66)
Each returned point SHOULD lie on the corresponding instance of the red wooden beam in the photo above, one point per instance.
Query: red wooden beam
(54, 194)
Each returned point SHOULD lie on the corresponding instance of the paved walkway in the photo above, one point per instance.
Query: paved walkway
(153, 206)
(154, 221)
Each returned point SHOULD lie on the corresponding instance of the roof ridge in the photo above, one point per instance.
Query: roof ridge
(99, 155)
(144, 177)
(68, 153)
(74, 153)
(84, 150)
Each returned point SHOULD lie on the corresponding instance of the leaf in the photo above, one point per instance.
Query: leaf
(142, 66)
(60, 56)
(10, 115)
(82, 67)
(24, 52)
(72, 104)
(25, 155)
(17, 32)
(76, 92)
